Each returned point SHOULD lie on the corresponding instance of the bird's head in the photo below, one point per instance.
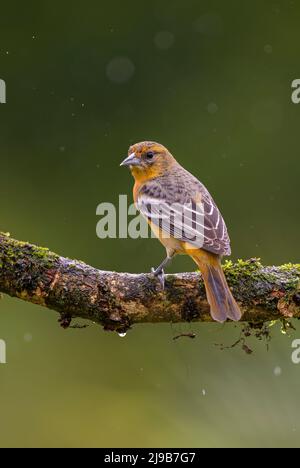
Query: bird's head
(148, 160)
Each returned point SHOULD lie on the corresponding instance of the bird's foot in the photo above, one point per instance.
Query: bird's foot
(160, 275)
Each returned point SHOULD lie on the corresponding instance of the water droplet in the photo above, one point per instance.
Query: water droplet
(122, 335)
(28, 337)
(277, 371)
(212, 108)
(120, 69)
(164, 40)
(203, 392)
(209, 25)
(268, 49)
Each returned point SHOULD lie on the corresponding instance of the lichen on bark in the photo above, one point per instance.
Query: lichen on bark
(117, 300)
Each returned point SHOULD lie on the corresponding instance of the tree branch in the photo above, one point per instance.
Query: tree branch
(117, 300)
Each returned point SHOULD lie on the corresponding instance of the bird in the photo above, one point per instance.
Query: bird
(184, 217)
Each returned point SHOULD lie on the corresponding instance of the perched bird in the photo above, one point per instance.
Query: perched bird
(185, 218)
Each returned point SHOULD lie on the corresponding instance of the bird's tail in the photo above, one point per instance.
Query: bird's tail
(222, 303)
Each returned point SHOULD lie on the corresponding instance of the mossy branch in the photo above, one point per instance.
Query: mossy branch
(117, 300)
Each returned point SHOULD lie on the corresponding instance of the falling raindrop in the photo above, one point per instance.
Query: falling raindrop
(164, 39)
(277, 371)
(212, 108)
(203, 392)
(120, 69)
(268, 49)
(28, 337)
(209, 25)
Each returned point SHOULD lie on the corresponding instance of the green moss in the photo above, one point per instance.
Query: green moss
(25, 263)
(246, 269)
(292, 267)
(6, 234)
(242, 266)
(251, 281)
(14, 251)
(254, 269)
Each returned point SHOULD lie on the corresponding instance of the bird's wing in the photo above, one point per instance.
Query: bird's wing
(216, 238)
(183, 208)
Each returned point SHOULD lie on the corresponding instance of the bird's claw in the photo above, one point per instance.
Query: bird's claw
(160, 275)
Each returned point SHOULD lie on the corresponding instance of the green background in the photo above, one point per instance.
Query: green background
(215, 88)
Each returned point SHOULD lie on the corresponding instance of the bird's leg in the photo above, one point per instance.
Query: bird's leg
(159, 271)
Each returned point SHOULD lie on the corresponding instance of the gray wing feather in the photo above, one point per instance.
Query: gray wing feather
(171, 205)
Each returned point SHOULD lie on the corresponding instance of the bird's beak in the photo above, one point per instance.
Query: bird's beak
(131, 160)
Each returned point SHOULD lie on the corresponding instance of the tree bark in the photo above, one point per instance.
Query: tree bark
(117, 300)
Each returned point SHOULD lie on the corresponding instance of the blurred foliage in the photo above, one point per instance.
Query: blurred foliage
(211, 81)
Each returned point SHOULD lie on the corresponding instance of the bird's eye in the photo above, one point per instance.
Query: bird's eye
(150, 154)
